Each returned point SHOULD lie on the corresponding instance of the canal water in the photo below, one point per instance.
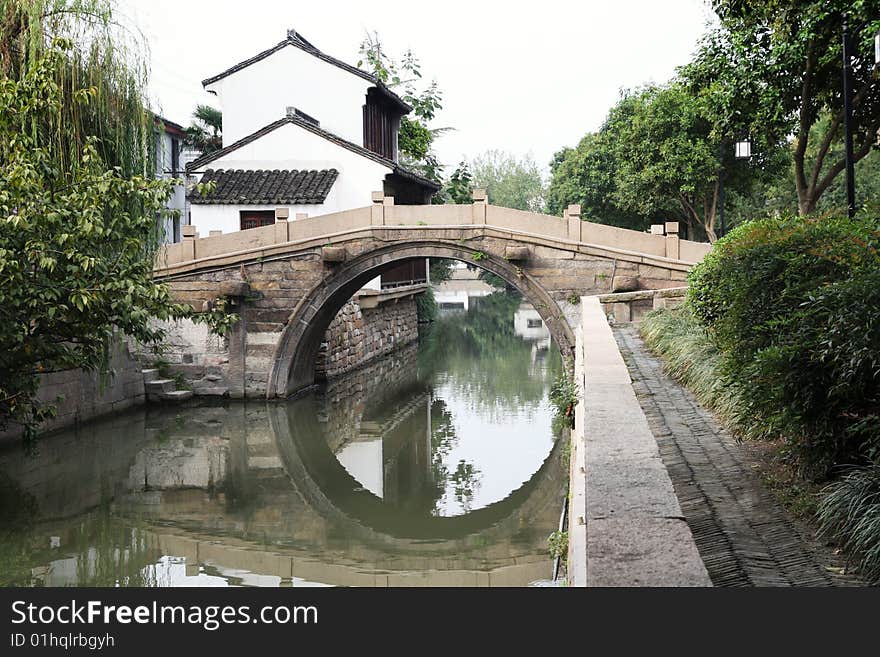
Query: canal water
(435, 466)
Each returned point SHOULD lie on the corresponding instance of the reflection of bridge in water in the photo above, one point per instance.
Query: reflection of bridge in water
(256, 492)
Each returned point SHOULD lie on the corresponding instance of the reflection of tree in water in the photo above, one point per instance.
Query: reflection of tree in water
(105, 552)
(18, 511)
(466, 478)
(479, 353)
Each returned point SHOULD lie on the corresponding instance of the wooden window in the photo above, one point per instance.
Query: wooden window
(175, 156)
(408, 272)
(380, 126)
(256, 218)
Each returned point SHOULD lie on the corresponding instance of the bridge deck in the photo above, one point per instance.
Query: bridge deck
(442, 221)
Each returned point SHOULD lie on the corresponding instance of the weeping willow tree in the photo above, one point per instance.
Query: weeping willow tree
(105, 57)
(78, 201)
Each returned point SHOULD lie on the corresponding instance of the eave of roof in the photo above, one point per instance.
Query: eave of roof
(416, 178)
(296, 40)
(266, 187)
(169, 126)
(329, 136)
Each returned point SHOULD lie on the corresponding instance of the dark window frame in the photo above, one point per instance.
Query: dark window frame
(248, 219)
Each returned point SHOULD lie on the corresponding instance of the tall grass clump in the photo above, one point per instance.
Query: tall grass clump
(850, 512)
(691, 357)
(780, 336)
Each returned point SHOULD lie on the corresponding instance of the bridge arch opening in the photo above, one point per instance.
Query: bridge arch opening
(293, 365)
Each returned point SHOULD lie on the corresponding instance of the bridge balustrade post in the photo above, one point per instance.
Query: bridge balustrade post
(188, 243)
(573, 215)
(481, 200)
(281, 232)
(673, 247)
(388, 210)
(377, 210)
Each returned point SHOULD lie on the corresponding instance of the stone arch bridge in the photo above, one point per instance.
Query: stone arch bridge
(287, 281)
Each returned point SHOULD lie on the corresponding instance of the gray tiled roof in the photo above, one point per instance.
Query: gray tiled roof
(266, 187)
(198, 163)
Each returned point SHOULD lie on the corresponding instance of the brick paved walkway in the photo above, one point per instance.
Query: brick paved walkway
(743, 535)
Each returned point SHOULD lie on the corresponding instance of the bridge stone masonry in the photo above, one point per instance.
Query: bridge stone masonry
(287, 281)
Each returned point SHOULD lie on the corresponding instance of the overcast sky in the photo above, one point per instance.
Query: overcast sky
(521, 77)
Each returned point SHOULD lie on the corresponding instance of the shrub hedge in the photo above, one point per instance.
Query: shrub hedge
(793, 307)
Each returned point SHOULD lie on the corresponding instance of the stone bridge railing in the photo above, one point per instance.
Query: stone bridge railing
(568, 232)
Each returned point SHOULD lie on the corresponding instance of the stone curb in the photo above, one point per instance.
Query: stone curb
(634, 529)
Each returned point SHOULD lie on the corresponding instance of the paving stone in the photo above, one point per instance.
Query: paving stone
(744, 536)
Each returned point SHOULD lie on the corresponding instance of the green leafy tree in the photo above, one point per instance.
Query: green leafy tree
(509, 182)
(670, 157)
(777, 195)
(660, 155)
(441, 270)
(459, 187)
(415, 139)
(205, 132)
(77, 218)
(104, 59)
(775, 70)
(586, 175)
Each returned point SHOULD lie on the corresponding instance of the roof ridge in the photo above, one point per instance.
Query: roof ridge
(297, 40)
(311, 127)
(321, 132)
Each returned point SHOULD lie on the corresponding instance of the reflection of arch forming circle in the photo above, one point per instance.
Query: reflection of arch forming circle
(329, 489)
(293, 367)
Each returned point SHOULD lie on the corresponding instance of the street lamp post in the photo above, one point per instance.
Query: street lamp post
(742, 151)
(847, 125)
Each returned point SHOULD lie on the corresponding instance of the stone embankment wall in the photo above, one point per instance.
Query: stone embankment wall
(346, 398)
(79, 395)
(357, 336)
(236, 365)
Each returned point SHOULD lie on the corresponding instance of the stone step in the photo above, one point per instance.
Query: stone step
(150, 375)
(254, 438)
(258, 364)
(267, 450)
(158, 386)
(212, 391)
(259, 337)
(264, 350)
(264, 463)
(176, 395)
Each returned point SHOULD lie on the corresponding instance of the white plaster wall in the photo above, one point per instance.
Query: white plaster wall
(521, 324)
(363, 461)
(452, 296)
(177, 199)
(259, 94)
(227, 218)
(294, 147)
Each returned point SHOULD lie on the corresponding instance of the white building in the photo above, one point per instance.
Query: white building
(461, 290)
(302, 131)
(169, 144)
(528, 324)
